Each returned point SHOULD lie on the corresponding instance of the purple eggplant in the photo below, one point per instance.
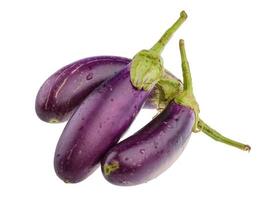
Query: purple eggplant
(151, 150)
(107, 112)
(96, 125)
(146, 154)
(68, 87)
(63, 91)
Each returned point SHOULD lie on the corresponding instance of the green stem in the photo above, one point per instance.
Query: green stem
(205, 128)
(188, 85)
(186, 97)
(159, 46)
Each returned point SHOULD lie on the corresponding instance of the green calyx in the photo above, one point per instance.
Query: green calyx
(147, 66)
(165, 90)
(185, 97)
(146, 70)
(170, 86)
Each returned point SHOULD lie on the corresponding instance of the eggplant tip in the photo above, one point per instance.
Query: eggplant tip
(66, 181)
(109, 168)
(54, 121)
(247, 148)
(183, 14)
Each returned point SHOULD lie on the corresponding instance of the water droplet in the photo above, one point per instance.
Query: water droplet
(169, 126)
(156, 145)
(90, 76)
(142, 151)
(100, 91)
(102, 88)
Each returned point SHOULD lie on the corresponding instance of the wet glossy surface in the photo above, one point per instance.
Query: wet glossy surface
(152, 149)
(96, 126)
(68, 87)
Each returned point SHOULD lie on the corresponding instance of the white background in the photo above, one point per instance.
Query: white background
(230, 46)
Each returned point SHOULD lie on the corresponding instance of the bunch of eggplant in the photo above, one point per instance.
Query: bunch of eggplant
(101, 96)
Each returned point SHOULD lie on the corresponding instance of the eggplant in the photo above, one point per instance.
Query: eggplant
(150, 151)
(96, 125)
(63, 91)
(107, 112)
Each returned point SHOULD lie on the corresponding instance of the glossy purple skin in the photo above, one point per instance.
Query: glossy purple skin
(146, 154)
(63, 91)
(96, 126)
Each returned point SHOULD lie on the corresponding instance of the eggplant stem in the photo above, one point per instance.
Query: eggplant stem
(186, 96)
(159, 46)
(188, 85)
(205, 128)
